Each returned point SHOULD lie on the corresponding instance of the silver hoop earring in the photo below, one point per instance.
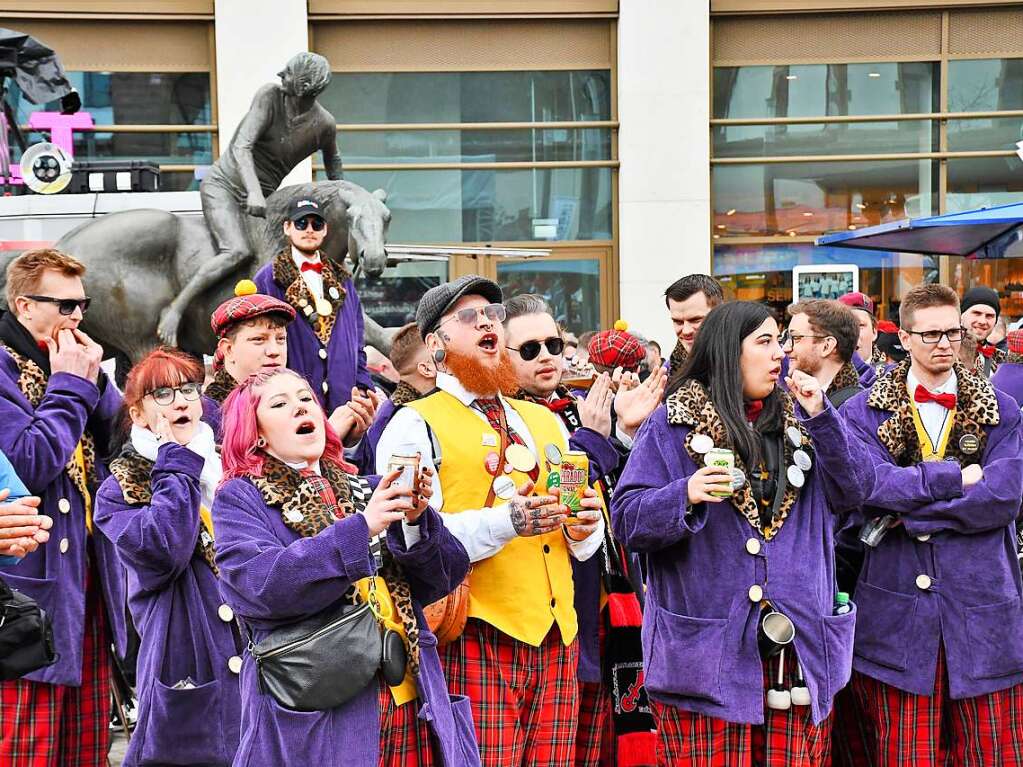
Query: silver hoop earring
(260, 442)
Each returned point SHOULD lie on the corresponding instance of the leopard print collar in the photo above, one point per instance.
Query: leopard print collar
(304, 511)
(677, 359)
(221, 386)
(289, 278)
(977, 408)
(404, 394)
(134, 474)
(999, 358)
(691, 406)
(846, 378)
(877, 357)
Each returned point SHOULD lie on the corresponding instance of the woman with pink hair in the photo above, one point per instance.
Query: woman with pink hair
(299, 534)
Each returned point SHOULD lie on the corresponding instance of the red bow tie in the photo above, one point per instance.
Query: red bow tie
(947, 401)
(987, 350)
(312, 266)
(558, 405)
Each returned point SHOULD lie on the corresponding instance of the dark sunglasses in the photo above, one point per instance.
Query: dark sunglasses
(165, 394)
(65, 306)
(315, 222)
(531, 349)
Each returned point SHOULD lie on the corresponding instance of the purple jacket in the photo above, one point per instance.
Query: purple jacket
(868, 374)
(376, 429)
(700, 625)
(39, 443)
(339, 366)
(272, 577)
(175, 601)
(962, 542)
(1009, 379)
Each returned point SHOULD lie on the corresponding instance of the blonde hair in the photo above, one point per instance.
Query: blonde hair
(26, 271)
(924, 297)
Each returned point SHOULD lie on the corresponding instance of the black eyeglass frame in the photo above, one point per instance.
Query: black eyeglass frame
(941, 334)
(194, 386)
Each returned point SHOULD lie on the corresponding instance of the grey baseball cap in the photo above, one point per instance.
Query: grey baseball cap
(439, 299)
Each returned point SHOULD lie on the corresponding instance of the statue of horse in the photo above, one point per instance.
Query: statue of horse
(137, 260)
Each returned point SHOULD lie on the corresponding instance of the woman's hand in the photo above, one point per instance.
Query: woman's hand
(162, 430)
(807, 391)
(389, 503)
(421, 495)
(709, 479)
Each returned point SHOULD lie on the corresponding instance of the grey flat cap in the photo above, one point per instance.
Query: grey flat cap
(439, 299)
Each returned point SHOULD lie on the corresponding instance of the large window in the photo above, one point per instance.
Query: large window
(800, 150)
(129, 104)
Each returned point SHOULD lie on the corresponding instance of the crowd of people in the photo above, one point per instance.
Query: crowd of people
(789, 543)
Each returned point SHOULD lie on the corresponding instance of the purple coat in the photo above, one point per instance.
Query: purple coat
(867, 372)
(1009, 378)
(174, 598)
(700, 625)
(345, 363)
(271, 577)
(963, 542)
(39, 443)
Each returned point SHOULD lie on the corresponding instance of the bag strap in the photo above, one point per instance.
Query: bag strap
(843, 395)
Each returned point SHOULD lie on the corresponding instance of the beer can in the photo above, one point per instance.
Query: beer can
(574, 479)
(409, 465)
(723, 458)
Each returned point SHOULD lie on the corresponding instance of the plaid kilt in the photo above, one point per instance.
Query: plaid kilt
(850, 733)
(49, 725)
(404, 737)
(786, 739)
(594, 721)
(524, 699)
(935, 730)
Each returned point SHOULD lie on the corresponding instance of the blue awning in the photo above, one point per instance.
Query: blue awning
(755, 259)
(984, 233)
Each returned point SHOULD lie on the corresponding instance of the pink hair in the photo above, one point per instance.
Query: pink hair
(239, 454)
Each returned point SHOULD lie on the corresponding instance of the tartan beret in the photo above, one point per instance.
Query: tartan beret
(1015, 340)
(247, 305)
(616, 348)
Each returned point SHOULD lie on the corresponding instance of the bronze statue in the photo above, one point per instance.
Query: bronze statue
(284, 125)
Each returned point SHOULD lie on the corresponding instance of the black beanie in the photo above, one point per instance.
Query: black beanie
(981, 295)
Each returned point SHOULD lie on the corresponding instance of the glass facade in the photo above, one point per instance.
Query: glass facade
(570, 287)
(796, 155)
(392, 299)
(139, 98)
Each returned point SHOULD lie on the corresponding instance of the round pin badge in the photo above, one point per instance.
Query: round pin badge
(294, 516)
(701, 443)
(554, 479)
(492, 462)
(802, 460)
(796, 476)
(504, 488)
(738, 479)
(521, 458)
(553, 454)
(969, 444)
(795, 436)
(323, 307)
(307, 310)
(334, 293)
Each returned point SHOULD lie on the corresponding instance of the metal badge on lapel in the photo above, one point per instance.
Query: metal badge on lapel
(802, 460)
(520, 458)
(504, 488)
(795, 436)
(553, 454)
(969, 444)
(334, 293)
(323, 307)
(796, 476)
(701, 443)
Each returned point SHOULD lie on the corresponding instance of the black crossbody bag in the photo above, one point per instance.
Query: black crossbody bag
(26, 635)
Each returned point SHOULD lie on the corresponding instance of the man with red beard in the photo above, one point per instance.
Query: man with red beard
(609, 639)
(516, 658)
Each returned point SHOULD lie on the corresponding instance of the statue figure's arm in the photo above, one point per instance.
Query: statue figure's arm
(331, 155)
(256, 120)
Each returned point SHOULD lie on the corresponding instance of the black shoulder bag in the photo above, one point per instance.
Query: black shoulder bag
(26, 635)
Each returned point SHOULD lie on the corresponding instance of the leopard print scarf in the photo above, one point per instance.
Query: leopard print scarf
(977, 407)
(404, 394)
(287, 276)
(221, 386)
(691, 406)
(134, 474)
(846, 377)
(32, 382)
(304, 512)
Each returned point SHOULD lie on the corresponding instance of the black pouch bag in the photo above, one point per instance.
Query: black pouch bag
(26, 635)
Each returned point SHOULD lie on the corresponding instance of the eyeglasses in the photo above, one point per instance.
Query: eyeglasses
(493, 312)
(165, 394)
(315, 222)
(954, 335)
(794, 338)
(531, 349)
(65, 306)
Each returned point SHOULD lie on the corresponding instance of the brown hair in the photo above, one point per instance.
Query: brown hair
(272, 321)
(26, 271)
(404, 346)
(833, 319)
(924, 297)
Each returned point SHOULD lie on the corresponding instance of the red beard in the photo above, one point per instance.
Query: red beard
(482, 379)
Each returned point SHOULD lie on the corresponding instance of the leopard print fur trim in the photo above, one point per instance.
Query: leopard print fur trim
(978, 407)
(691, 406)
(296, 293)
(845, 378)
(134, 474)
(877, 357)
(285, 488)
(32, 381)
(677, 359)
(221, 386)
(999, 358)
(404, 394)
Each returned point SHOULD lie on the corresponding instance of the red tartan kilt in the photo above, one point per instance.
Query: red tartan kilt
(405, 739)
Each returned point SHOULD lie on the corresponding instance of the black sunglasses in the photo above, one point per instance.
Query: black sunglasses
(65, 306)
(531, 349)
(315, 222)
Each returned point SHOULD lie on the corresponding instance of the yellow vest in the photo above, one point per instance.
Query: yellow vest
(527, 586)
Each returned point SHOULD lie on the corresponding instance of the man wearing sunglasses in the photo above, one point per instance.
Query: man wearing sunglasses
(939, 634)
(59, 412)
(495, 460)
(326, 342)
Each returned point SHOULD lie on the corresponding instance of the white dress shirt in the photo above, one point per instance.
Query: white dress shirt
(483, 532)
(934, 417)
(313, 280)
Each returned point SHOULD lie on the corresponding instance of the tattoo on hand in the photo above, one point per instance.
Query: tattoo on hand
(517, 512)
